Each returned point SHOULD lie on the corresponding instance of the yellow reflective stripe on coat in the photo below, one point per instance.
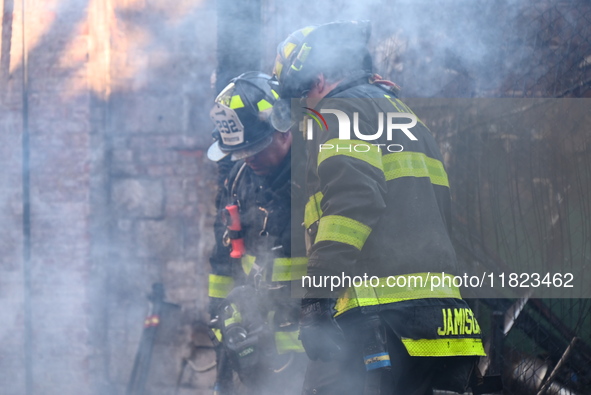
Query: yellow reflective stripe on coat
(443, 347)
(408, 287)
(288, 269)
(220, 286)
(401, 107)
(313, 212)
(414, 164)
(247, 262)
(352, 148)
(288, 342)
(342, 229)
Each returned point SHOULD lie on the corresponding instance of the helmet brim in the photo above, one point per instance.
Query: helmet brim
(214, 152)
(252, 150)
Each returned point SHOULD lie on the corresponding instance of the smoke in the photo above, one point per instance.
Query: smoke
(116, 88)
(448, 49)
(93, 75)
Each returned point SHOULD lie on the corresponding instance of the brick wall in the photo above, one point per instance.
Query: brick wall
(12, 360)
(161, 61)
(121, 192)
(115, 90)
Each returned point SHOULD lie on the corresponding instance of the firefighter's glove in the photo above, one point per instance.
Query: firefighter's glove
(320, 334)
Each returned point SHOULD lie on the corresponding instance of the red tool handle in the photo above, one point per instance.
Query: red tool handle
(235, 225)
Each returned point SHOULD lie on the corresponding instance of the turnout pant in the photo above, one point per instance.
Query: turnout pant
(407, 375)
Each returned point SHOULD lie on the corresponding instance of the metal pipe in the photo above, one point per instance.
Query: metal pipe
(525, 375)
(26, 179)
(8, 9)
(550, 379)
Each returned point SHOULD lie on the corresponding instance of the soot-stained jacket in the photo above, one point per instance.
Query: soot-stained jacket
(274, 253)
(380, 206)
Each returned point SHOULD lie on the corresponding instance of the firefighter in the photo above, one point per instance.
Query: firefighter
(378, 208)
(254, 260)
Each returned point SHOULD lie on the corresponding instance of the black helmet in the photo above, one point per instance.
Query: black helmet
(316, 49)
(241, 117)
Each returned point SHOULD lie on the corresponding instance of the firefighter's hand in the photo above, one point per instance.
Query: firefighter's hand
(320, 334)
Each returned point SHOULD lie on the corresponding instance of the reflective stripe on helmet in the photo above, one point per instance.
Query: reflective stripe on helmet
(237, 115)
(343, 230)
(298, 63)
(443, 347)
(288, 49)
(236, 102)
(264, 105)
(220, 286)
(307, 30)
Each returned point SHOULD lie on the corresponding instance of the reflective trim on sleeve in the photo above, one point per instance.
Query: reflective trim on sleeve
(313, 212)
(217, 333)
(288, 341)
(236, 317)
(233, 320)
(247, 262)
(444, 347)
(342, 229)
(220, 286)
(352, 148)
(397, 289)
(414, 164)
(288, 269)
